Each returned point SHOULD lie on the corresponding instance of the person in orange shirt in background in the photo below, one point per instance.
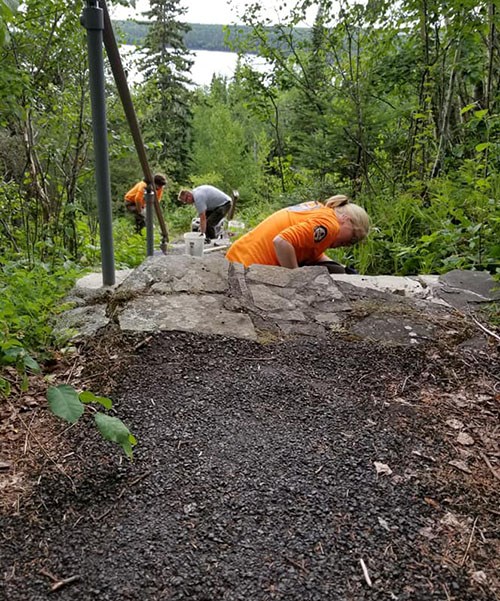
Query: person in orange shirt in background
(299, 235)
(135, 201)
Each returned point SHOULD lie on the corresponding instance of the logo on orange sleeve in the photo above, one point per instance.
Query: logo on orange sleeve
(320, 233)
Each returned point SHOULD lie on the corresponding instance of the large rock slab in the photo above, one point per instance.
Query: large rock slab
(82, 322)
(209, 295)
(462, 289)
(90, 289)
(185, 313)
(408, 287)
(394, 329)
(169, 274)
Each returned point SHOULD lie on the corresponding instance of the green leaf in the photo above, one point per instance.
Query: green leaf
(13, 354)
(24, 383)
(480, 114)
(90, 397)
(5, 387)
(112, 428)
(483, 146)
(63, 402)
(127, 448)
(468, 108)
(31, 364)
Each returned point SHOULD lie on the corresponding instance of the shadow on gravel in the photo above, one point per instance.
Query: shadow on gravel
(311, 469)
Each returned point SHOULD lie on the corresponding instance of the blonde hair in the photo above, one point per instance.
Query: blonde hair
(357, 215)
(182, 193)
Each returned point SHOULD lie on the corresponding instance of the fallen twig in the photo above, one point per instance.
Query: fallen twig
(296, 564)
(491, 468)
(72, 369)
(103, 515)
(28, 432)
(469, 544)
(142, 343)
(365, 573)
(484, 328)
(139, 478)
(58, 583)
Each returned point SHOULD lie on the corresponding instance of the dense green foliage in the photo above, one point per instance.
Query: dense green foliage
(396, 105)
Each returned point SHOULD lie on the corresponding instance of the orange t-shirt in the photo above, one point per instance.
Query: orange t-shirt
(136, 194)
(309, 227)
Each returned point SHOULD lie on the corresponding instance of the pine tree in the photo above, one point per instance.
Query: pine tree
(166, 66)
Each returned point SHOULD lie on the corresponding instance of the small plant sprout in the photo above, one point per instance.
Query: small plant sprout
(68, 404)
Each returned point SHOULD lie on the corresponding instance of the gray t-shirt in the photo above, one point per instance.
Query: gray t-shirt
(208, 198)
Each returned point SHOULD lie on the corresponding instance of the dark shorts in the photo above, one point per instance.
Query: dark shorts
(214, 217)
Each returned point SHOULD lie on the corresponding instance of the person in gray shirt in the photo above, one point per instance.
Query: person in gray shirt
(212, 205)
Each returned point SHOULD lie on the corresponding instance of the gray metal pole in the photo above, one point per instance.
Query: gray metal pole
(150, 243)
(93, 21)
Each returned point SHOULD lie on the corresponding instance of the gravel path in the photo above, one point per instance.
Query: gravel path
(262, 473)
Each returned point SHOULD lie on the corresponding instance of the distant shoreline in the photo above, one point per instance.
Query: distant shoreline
(202, 36)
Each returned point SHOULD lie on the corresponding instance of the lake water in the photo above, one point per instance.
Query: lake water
(207, 63)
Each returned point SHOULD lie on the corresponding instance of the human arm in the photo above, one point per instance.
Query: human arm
(285, 253)
(203, 222)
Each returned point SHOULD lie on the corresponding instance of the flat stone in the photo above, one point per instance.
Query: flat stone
(267, 300)
(427, 280)
(167, 274)
(91, 289)
(395, 329)
(185, 313)
(323, 306)
(403, 286)
(463, 288)
(328, 319)
(288, 316)
(93, 281)
(81, 322)
(269, 274)
(476, 282)
(301, 328)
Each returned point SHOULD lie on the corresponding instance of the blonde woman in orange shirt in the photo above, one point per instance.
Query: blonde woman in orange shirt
(299, 235)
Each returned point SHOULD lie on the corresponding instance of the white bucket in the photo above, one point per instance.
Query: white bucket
(194, 244)
(236, 227)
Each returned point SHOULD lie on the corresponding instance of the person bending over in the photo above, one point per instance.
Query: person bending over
(299, 235)
(135, 201)
(212, 205)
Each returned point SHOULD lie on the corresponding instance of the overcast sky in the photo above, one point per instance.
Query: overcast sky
(204, 11)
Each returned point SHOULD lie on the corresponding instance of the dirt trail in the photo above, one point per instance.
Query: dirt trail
(302, 469)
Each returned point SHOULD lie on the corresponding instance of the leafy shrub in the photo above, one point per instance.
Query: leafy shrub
(65, 402)
(30, 297)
